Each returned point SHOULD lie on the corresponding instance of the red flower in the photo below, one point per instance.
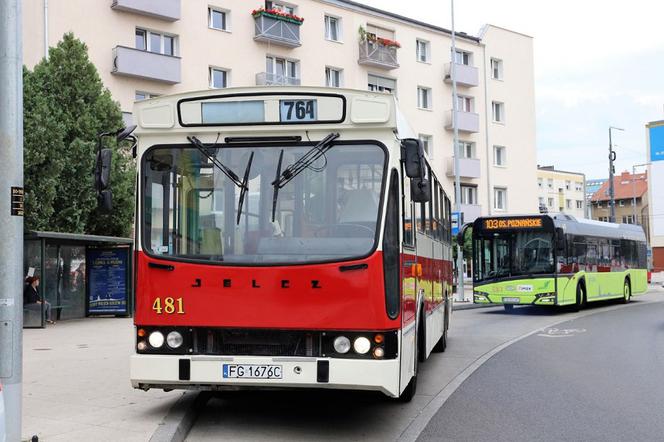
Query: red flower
(278, 13)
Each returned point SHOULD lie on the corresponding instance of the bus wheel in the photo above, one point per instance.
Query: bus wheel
(580, 297)
(508, 307)
(627, 292)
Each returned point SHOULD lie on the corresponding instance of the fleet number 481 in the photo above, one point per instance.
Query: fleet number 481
(168, 306)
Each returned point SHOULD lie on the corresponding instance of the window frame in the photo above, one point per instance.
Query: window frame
(424, 95)
(503, 163)
(328, 71)
(497, 190)
(339, 28)
(500, 105)
(147, 41)
(499, 64)
(427, 50)
(427, 143)
(226, 72)
(226, 18)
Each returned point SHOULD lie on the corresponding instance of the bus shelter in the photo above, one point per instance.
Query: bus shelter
(80, 276)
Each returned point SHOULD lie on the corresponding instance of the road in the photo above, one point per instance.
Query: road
(475, 336)
(594, 378)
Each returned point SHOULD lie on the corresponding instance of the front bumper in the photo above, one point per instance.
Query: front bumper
(205, 373)
(500, 299)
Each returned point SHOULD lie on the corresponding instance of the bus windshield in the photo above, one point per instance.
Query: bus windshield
(330, 211)
(506, 254)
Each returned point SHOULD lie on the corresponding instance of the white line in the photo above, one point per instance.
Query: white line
(417, 425)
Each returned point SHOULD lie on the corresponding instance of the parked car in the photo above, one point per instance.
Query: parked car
(3, 426)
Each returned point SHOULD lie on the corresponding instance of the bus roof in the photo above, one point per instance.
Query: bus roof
(573, 226)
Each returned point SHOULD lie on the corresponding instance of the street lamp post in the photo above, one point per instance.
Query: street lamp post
(612, 158)
(457, 183)
(634, 190)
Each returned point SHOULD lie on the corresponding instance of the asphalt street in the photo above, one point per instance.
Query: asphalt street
(599, 377)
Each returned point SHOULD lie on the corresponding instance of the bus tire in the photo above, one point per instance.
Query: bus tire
(508, 307)
(627, 291)
(580, 297)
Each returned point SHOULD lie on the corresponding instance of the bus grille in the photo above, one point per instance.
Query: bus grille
(256, 342)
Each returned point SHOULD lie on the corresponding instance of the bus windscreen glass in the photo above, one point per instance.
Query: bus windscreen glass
(515, 253)
(328, 212)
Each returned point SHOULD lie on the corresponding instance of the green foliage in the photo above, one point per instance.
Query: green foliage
(65, 108)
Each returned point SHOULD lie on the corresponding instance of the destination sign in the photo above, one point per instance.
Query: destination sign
(512, 223)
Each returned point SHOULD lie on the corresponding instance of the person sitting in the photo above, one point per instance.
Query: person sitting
(33, 301)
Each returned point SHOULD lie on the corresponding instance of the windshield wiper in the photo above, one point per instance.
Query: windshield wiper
(297, 167)
(244, 187)
(205, 150)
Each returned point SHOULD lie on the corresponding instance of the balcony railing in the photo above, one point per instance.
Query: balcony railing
(277, 31)
(465, 75)
(378, 55)
(470, 212)
(143, 64)
(468, 167)
(467, 121)
(168, 10)
(269, 79)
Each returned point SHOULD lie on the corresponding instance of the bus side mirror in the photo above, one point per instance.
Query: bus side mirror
(560, 239)
(420, 190)
(412, 154)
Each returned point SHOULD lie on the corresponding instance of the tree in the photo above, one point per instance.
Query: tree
(65, 108)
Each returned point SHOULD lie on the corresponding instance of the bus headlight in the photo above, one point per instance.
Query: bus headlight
(174, 339)
(156, 339)
(341, 344)
(361, 345)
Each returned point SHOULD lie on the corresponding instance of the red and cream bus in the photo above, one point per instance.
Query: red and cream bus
(286, 237)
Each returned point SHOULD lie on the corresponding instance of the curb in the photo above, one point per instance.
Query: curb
(470, 305)
(180, 418)
(417, 425)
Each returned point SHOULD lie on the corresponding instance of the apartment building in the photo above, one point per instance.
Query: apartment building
(631, 200)
(655, 212)
(560, 191)
(146, 48)
(592, 186)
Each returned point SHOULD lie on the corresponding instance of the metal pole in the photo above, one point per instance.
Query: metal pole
(11, 213)
(612, 158)
(46, 29)
(634, 194)
(457, 183)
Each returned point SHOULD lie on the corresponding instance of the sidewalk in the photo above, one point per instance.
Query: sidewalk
(76, 384)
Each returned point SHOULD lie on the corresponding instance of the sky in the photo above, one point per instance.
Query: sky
(597, 64)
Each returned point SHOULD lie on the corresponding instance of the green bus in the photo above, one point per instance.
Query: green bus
(556, 260)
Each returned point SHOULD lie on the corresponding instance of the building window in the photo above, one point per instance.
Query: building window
(540, 182)
(464, 104)
(496, 69)
(498, 111)
(621, 203)
(541, 201)
(463, 57)
(423, 97)
(332, 77)
(283, 7)
(422, 50)
(499, 198)
(427, 144)
(218, 78)
(468, 195)
(144, 95)
(466, 149)
(217, 19)
(578, 186)
(281, 70)
(332, 28)
(549, 183)
(579, 204)
(499, 157)
(599, 204)
(568, 204)
(550, 202)
(628, 219)
(568, 185)
(382, 84)
(155, 42)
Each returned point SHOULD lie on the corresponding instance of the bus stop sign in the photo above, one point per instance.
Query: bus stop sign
(457, 220)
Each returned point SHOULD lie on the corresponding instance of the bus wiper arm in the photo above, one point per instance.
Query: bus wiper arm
(213, 158)
(244, 187)
(275, 191)
(305, 161)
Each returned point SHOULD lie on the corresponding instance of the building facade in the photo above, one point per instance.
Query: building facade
(631, 200)
(655, 152)
(560, 191)
(146, 48)
(592, 186)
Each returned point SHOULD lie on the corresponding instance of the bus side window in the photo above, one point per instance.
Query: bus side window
(391, 248)
(436, 211)
(407, 214)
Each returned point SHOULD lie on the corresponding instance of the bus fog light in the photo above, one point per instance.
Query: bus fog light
(174, 339)
(378, 352)
(341, 344)
(142, 346)
(156, 339)
(361, 345)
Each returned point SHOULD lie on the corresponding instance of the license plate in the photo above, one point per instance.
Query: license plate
(511, 300)
(251, 371)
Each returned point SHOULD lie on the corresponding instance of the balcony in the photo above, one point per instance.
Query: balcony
(168, 10)
(378, 55)
(467, 122)
(468, 167)
(465, 75)
(470, 212)
(143, 64)
(269, 79)
(277, 31)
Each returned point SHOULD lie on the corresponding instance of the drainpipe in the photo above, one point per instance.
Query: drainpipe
(46, 29)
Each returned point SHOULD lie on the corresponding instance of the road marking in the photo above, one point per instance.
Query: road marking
(561, 333)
